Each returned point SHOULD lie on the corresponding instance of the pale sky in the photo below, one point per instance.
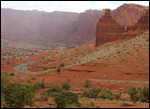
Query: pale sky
(68, 6)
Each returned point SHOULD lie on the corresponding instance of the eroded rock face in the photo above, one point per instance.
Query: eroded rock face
(143, 22)
(106, 29)
(128, 14)
(109, 30)
(63, 27)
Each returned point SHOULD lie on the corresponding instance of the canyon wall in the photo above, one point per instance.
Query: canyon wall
(107, 29)
(128, 14)
(63, 27)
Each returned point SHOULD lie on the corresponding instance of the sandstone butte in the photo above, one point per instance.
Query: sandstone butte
(107, 29)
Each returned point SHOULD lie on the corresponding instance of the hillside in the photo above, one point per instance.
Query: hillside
(128, 58)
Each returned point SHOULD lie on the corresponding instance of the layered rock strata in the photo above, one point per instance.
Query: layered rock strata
(107, 29)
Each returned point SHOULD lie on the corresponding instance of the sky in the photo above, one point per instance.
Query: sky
(68, 6)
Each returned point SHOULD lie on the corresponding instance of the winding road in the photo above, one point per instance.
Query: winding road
(20, 67)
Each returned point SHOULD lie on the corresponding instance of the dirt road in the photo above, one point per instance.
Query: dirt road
(20, 67)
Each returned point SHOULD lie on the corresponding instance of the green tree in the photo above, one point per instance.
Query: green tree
(45, 68)
(58, 69)
(105, 95)
(39, 86)
(87, 83)
(53, 89)
(62, 65)
(4, 83)
(91, 94)
(66, 86)
(18, 95)
(92, 104)
(145, 93)
(66, 98)
(134, 92)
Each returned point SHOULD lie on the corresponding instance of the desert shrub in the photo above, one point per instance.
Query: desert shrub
(119, 52)
(44, 96)
(81, 89)
(33, 78)
(138, 94)
(66, 86)
(105, 95)
(54, 67)
(117, 96)
(109, 91)
(86, 93)
(68, 80)
(145, 93)
(2, 100)
(65, 99)
(53, 89)
(95, 92)
(39, 86)
(20, 58)
(4, 83)
(12, 74)
(45, 68)
(8, 62)
(135, 93)
(92, 104)
(42, 85)
(91, 94)
(18, 95)
(62, 65)
(58, 69)
(128, 52)
(87, 83)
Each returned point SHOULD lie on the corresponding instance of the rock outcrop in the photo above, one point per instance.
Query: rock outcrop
(109, 30)
(143, 22)
(128, 14)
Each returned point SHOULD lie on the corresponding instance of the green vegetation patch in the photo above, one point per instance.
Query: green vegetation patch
(138, 94)
(87, 83)
(45, 68)
(62, 65)
(58, 69)
(53, 89)
(15, 94)
(66, 86)
(105, 95)
(65, 99)
(91, 94)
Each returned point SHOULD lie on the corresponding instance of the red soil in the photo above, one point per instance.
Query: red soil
(9, 67)
(39, 56)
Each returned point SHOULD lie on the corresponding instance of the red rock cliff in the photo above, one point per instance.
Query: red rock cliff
(143, 22)
(109, 30)
(106, 27)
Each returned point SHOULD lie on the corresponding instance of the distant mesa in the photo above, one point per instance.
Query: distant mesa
(107, 29)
